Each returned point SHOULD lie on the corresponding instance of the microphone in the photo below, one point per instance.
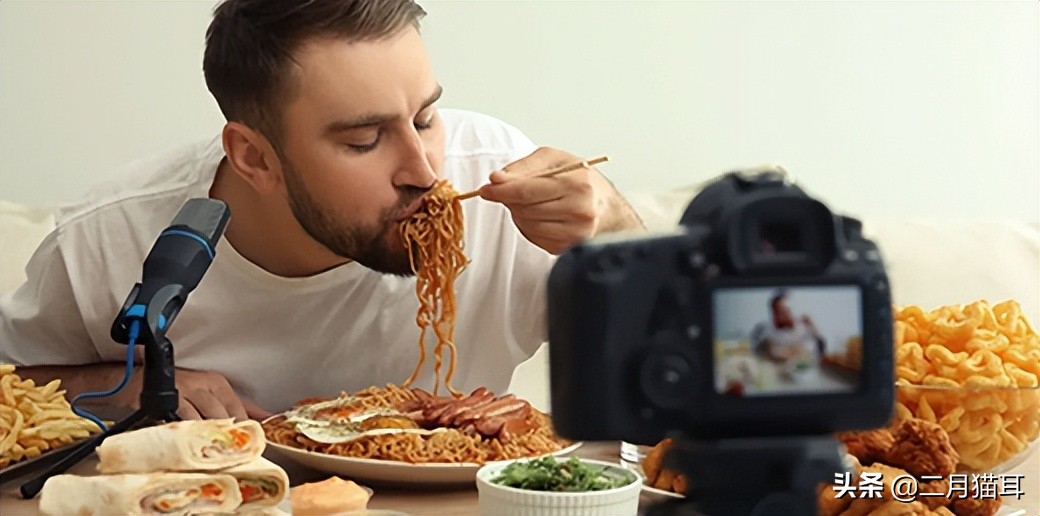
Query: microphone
(176, 263)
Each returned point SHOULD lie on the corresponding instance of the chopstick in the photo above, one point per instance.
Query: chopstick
(550, 172)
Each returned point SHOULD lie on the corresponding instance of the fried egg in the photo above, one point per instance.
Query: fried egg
(343, 420)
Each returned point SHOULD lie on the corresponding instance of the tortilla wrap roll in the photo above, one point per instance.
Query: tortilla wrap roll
(165, 493)
(261, 483)
(182, 446)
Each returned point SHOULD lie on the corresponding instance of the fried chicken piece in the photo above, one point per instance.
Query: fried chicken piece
(934, 486)
(865, 506)
(652, 462)
(959, 505)
(656, 475)
(868, 446)
(972, 505)
(861, 507)
(827, 501)
(680, 484)
(976, 507)
(664, 480)
(922, 448)
(897, 508)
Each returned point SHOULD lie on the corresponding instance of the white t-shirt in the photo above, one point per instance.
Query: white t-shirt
(796, 341)
(280, 339)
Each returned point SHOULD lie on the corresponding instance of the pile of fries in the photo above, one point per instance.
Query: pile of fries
(35, 419)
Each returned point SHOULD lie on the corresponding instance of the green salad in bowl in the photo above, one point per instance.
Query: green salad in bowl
(550, 486)
(546, 474)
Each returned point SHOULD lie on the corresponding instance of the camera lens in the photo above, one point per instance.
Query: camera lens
(666, 380)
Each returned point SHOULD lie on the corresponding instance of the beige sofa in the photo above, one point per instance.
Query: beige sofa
(930, 262)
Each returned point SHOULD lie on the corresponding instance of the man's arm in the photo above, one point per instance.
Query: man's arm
(76, 380)
(203, 394)
(617, 214)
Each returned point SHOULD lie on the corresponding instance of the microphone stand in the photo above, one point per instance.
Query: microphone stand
(159, 399)
(173, 268)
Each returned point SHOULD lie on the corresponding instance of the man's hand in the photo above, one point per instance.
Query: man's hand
(203, 395)
(562, 210)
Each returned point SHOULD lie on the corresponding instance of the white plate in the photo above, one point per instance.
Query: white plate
(657, 493)
(388, 472)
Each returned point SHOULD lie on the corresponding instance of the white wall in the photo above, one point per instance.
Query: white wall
(87, 86)
(881, 108)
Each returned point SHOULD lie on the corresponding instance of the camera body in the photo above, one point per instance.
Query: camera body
(698, 332)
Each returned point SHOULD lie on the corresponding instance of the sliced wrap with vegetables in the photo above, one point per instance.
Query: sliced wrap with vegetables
(182, 446)
(261, 483)
(153, 493)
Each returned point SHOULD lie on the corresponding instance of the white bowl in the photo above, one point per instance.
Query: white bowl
(499, 500)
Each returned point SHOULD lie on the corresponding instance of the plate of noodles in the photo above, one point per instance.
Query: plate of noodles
(401, 435)
(394, 435)
(387, 472)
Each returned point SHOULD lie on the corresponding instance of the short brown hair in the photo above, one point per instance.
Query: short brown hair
(250, 43)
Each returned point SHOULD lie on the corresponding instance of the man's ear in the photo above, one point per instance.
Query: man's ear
(252, 157)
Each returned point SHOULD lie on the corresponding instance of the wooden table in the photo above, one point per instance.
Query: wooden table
(464, 501)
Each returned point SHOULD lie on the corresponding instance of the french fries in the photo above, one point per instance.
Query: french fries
(35, 419)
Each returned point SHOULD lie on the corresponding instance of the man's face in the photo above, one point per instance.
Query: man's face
(361, 142)
(782, 316)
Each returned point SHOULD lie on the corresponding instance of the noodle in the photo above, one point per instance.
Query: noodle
(448, 446)
(433, 237)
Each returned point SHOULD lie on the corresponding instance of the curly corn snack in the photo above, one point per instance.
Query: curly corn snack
(35, 419)
(975, 370)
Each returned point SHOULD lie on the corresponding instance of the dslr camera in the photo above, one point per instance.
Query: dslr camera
(763, 314)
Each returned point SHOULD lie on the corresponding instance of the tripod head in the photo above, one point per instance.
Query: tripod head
(760, 476)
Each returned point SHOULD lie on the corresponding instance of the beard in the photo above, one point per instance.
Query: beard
(378, 247)
(783, 323)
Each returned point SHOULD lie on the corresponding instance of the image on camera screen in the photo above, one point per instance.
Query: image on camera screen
(772, 341)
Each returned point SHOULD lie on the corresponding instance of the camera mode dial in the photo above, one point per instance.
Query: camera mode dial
(666, 379)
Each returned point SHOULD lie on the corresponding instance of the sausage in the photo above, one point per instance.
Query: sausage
(461, 406)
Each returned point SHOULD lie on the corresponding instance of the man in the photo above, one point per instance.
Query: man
(332, 138)
(785, 337)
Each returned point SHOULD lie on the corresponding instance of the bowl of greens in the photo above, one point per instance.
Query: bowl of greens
(548, 486)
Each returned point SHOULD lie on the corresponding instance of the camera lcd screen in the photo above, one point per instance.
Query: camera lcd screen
(792, 340)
